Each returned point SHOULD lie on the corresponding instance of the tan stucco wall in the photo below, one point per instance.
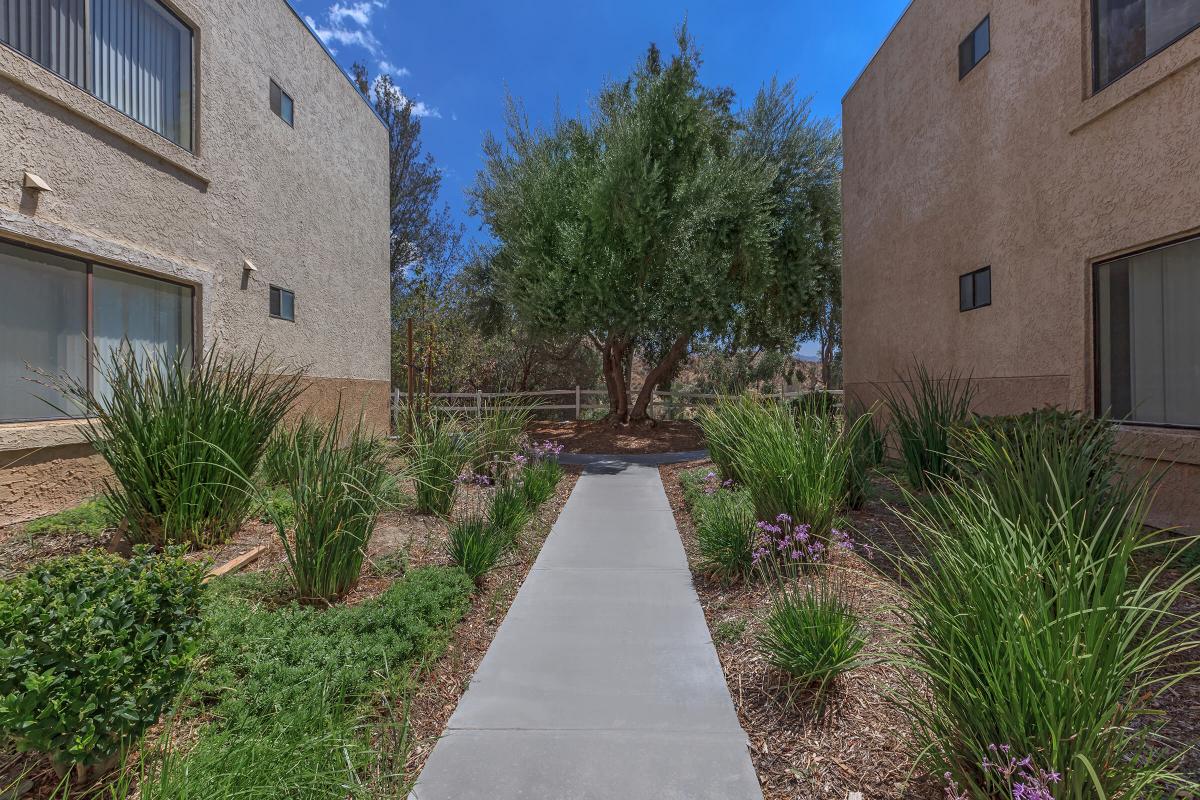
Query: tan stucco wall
(1020, 167)
(307, 205)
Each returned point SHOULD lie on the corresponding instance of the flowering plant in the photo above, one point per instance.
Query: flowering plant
(713, 483)
(1021, 777)
(783, 542)
(468, 477)
(540, 451)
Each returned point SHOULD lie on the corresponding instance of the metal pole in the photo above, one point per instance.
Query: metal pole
(412, 378)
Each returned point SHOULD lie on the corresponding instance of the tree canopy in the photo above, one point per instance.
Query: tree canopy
(665, 217)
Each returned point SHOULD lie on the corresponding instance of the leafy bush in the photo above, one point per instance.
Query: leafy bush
(725, 533)
(273, 469)
(435, 457)
(92, 517)
(336, 484)
(508, 512)
(1038, 465)
(538, 481)
(823, 404)
(794, 466)
(182, 438)
(476, 547)
(94, 648)
(1039, 633)
(923, 415)
(812, 634)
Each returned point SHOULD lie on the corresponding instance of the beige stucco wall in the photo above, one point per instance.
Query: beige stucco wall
(307, 205)
(1022, 167)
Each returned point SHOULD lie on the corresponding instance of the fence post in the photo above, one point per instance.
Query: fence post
(479, 402)
(578, 401)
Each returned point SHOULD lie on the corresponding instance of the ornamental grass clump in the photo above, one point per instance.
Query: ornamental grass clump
(1041, 633)
(725, 532)
(435, 458)
(494, 435)
(1038, 465)
(94, 648)
(182, 438)
(538, 471)
(508, 512)
(337, 486)
(795, 466)
(476, 546)
(277, 457)
(924, 413)
(866, 439)
(723, 425)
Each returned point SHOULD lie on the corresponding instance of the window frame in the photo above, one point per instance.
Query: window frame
(972, 275)
(90, 318)
(291, 102)
(1098, 87)
(89, 88)
(272, 288)
(970, 37)
(1097, 375)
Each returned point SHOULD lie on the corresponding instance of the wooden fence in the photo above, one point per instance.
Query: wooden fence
(577, 400)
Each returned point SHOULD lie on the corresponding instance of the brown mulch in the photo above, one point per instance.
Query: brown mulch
(607, 438)
(862, 742)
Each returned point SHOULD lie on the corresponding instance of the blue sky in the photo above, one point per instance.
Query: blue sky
(456, 58)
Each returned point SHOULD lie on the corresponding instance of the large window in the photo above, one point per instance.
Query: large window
(134, 55)
(1127, 32)
(49, 307)
(1148, 336)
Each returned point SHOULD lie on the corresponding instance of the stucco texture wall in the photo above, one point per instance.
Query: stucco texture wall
(1019, 166)
(307, 205)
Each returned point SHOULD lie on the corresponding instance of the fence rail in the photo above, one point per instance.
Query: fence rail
(482, 400)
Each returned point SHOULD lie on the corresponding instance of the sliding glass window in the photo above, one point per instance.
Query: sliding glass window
(1148, 336)
(1127, 32)
(134, 55)
(49, 308)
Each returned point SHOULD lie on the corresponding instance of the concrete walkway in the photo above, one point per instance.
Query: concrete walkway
(602, 682)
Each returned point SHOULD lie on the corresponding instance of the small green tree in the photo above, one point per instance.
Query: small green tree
(661, 219)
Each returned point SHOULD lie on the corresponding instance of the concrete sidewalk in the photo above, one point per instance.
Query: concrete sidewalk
(602, 682)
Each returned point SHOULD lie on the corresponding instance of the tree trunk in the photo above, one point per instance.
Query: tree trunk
(619, 400)
(664, 367)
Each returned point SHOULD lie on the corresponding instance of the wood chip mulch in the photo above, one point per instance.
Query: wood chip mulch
(862, 741)
(607, 438)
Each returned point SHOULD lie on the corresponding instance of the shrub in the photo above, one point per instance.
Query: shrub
(823, 404)
(273, 469)
(336, 484)
(182, 439)
(94, 648)
(476, 547)
(92, 517)
(1039, 633)
(538, 480)
(508, 512)
(794, 467)
(812, 634)
(923, 415)
(435, 457)
(725, 534)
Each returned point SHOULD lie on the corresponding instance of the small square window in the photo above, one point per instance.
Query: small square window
(283, 304)
(281, 104)
(973, 48)
(975, 289)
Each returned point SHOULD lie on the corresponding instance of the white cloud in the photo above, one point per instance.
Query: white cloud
(419, 107)
(348, 24)
(388, 68)
(359, 12)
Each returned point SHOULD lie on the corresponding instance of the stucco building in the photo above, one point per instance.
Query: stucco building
(179, 172)
(1022, 203)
